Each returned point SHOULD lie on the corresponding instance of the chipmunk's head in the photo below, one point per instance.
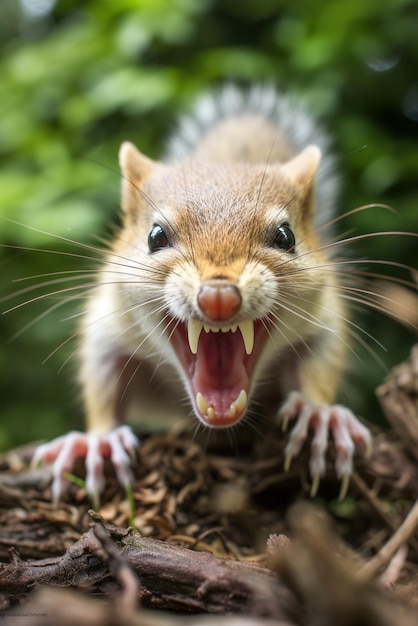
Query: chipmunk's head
(220, 252)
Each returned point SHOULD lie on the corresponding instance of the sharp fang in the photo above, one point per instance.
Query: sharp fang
(194, 328)
(201, 403)
(204, 407)
(247, 331)
(239, 404)
(210, 413)
(241, 401)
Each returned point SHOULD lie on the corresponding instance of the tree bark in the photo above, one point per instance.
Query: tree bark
(171, 577)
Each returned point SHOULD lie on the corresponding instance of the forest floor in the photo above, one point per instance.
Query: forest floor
(209, 537)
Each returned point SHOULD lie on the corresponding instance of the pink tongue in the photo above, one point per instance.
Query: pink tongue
(220, 373)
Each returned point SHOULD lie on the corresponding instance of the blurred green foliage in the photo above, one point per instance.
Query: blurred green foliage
(80, 76)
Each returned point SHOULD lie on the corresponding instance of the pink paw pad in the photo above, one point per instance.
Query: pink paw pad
(347, 432)
(63, 451)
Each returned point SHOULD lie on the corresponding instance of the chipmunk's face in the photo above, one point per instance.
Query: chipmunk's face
(221, 253)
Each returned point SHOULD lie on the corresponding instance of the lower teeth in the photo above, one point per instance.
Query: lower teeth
(210, 413)
(236, 407)
(239, 405)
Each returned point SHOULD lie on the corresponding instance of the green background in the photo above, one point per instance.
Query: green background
(77, 78)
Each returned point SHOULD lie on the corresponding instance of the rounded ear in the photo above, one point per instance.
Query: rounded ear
(133, 163)
(135, 167)
(303, 167)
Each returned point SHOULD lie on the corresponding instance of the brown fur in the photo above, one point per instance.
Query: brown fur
(218, 209)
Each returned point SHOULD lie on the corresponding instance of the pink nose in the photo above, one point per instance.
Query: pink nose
(219, 302)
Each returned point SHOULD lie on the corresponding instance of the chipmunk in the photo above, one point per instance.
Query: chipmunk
(218, 285)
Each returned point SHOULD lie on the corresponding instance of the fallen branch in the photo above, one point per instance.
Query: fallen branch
(388, 551)
(323, 585)
(171, 577)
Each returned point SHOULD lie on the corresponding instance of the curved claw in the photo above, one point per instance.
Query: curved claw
(345, 483)
(287, 460)
(285, 423)
(119, 443)
(316, 479)
(345, 428)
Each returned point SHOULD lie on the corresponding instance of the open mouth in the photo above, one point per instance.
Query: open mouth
(219, 363)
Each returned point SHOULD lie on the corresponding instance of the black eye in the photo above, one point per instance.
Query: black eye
(157, 239)
(284, 239)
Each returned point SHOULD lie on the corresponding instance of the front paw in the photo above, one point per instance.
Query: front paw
(63, 451)
(346, 429)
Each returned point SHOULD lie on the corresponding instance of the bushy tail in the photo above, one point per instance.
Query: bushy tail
(291, 119)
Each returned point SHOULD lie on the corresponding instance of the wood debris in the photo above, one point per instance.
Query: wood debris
(223, 533)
